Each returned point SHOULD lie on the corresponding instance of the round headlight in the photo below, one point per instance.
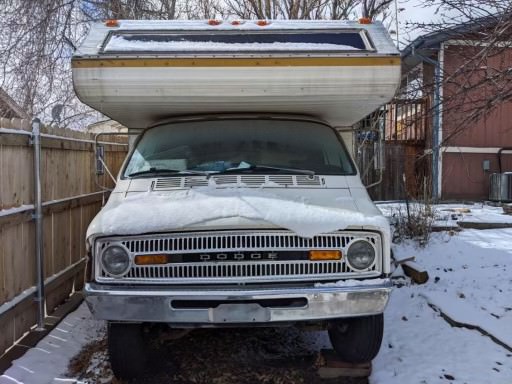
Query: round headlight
(115, 260)
(361, 254)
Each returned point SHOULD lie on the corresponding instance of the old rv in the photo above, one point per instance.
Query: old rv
(239, 203)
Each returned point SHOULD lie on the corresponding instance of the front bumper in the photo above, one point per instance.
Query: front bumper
(235, 306)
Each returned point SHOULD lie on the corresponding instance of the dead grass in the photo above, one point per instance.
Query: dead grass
(413, 221)
(80, 362)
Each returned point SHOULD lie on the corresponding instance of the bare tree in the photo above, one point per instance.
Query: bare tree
(132, 9)
(203, 9)
(373, 8)
(306, 9)
(39, 37)
(343, 9)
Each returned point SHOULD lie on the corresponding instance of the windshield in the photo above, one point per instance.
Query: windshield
(241, 145)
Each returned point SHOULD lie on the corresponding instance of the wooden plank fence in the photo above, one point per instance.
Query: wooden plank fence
(71, 200)
(406, 173)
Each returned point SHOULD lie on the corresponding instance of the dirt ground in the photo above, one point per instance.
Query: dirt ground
(221, 356)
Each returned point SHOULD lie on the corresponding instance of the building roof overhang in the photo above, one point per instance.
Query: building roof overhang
(427, 45)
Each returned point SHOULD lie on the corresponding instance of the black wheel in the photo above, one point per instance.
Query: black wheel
(127, 350)
(357, 339)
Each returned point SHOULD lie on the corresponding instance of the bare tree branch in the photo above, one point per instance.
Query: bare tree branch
(480, 81)
(39, 37)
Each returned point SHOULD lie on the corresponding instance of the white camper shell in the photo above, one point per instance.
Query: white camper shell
(140, 72)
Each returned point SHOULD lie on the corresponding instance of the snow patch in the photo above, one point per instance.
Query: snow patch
(120, 44)
(12, 211)
(353, 283)
(470, 282)
(153, 212)
(181, 25)
(462, 312)
(15, 131)
(47, 361)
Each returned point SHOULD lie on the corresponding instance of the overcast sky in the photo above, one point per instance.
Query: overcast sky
(413, 11)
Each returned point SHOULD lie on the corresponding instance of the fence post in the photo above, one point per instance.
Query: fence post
(38, 217)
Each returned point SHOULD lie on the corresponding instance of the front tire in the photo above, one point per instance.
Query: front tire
(357, 339)
(127, 350)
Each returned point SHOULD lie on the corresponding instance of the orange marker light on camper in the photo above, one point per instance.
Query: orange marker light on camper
(324, 255)
(365, 20)
(150, 259)
(214, 22)
(236, 22)
(112, 23)
(262, 23)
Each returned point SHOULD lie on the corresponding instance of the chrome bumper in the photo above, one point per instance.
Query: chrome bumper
(234, 306)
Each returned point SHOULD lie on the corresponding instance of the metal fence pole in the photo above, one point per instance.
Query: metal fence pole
(38, 217)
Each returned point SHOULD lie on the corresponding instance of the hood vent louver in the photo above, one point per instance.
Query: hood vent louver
(282, 179)
(167, 183)
(304, 180)
(195, 181)
(226, 179)
(252, 180)
(249, 181)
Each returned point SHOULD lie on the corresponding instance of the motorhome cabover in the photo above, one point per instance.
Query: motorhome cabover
(239, 203)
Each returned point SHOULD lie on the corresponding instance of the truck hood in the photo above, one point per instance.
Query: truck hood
(304, 212)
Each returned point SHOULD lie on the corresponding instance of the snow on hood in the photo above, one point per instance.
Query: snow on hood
(158, 212)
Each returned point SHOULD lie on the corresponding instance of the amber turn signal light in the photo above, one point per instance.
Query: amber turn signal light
(112, 23)
(324, 255)
(150, 259)
(262, 23)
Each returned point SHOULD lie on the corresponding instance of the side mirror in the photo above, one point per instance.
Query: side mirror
(379, 159)
(100, 160)
(101, 164)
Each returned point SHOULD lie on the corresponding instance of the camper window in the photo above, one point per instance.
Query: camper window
(336, 41)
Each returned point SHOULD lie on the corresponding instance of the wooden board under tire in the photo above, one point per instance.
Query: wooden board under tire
(416, 272)
(333, 367)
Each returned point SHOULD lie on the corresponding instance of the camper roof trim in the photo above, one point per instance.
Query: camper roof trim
(374, 35)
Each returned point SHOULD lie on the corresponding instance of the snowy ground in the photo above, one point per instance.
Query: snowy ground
(48, 361)
(470, 282)
(451, 214)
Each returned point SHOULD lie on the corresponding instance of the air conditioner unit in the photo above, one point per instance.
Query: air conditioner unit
(500, 187)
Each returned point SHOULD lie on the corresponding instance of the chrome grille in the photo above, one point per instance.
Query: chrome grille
(204, 272)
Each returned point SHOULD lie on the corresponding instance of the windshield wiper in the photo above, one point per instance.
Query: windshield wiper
(158, 171)
(263, 168)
